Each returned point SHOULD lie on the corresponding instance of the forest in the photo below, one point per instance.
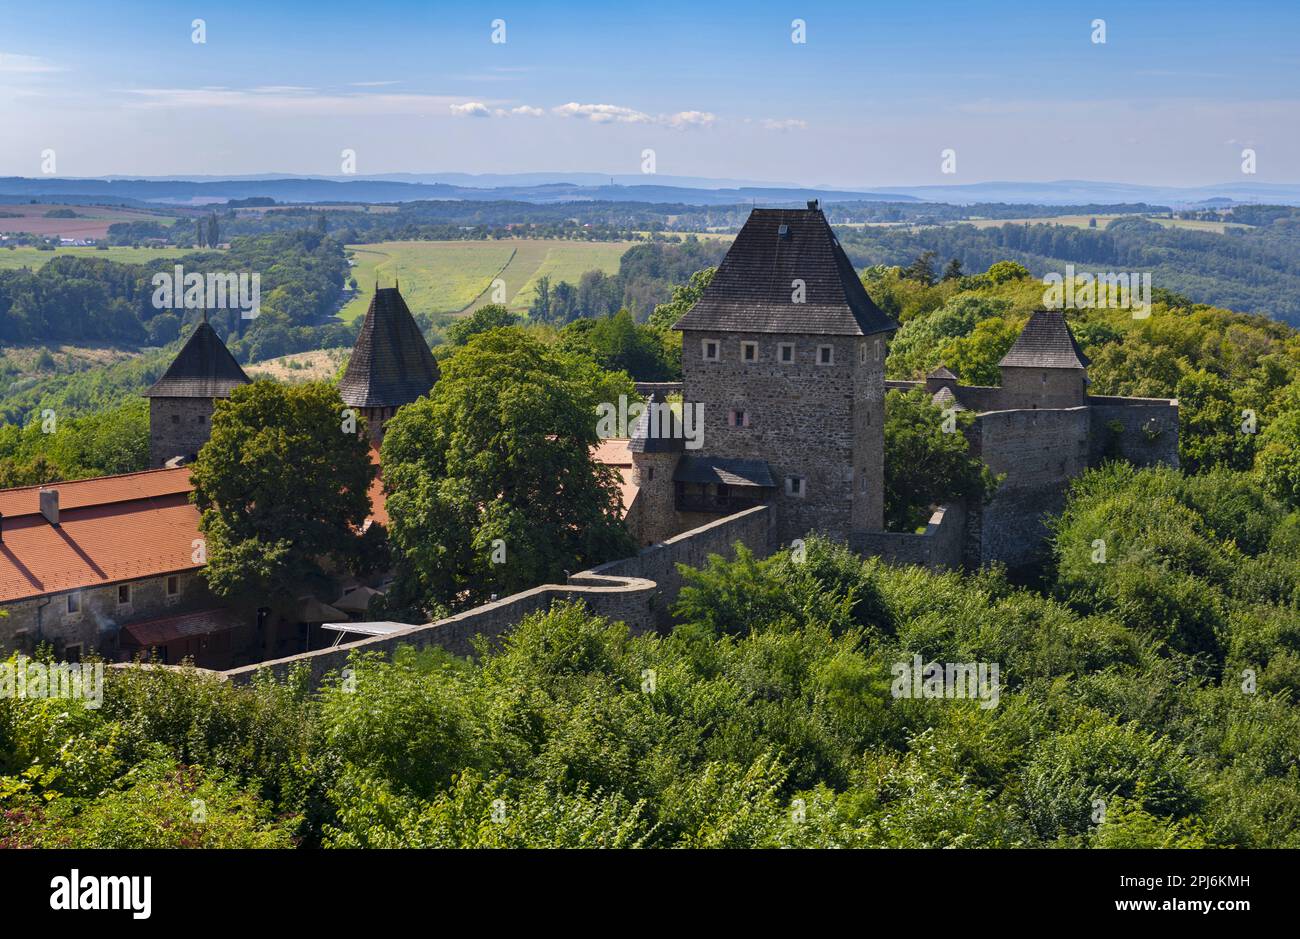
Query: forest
(1147, 696)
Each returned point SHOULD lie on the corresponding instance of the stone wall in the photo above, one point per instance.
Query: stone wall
(939, 547)
(1039, 452)
(1143, 431)
(95, 625)
(805, 420)
(638, 591)
(177, 427)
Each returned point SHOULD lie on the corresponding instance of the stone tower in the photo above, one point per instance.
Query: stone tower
(182, 401)
(786, 351)
(1045, 368)
(656, 445)
(391, 364)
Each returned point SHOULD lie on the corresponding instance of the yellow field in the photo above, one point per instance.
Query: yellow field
(457, 276)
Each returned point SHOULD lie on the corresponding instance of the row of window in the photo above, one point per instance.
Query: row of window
(711, 351)
(199, 418)
(73, 599)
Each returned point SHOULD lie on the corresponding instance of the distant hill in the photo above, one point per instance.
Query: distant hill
(311, 189)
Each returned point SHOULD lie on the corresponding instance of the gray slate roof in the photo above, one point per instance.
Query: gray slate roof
(752, 289)
(1046, 342)
(204, 368)
(666, 434)
(730, 472)
(391, 364)
(942, 372)
(944, 398)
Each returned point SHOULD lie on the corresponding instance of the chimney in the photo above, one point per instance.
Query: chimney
(50, 506)
(814, 204)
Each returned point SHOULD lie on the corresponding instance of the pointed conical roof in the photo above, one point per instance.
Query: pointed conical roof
(391, 364)
(757, 286)
(658, 429)
(943, 373)
(204, 368)
(1045, 342)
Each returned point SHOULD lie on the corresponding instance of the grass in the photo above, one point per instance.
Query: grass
(19, 257)
(456, 276)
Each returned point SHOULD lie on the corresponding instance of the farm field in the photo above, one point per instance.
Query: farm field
(92, 220)
(455, 276)
(1081, 221)
(319, 365)
(11, 259)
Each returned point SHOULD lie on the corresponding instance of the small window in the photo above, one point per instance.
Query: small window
(738, 417)
(72, 653)
(649, 473)
(749, 352)
(176, 418)
(173, 585)
(878, 350)
(710, 350)
(794, 486)
(786, 352)
(74, 603)
(825, 355)
(123, 594)
(862, 354)
(1044, 378)
(201, 418)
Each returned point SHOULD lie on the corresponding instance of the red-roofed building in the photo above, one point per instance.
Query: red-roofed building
(83, 564)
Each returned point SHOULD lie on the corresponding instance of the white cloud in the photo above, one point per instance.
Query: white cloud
(602, 113)
(13, 63)
(768, 123)
(684, 119)
(286, 99)
(471, 109)
(525, 110)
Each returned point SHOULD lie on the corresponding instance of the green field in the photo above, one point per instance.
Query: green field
(1081, 221)
(456, 276)
(11, 259)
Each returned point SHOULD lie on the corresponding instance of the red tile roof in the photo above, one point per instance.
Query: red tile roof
(111, 529)
(164, 629)
(614, 452)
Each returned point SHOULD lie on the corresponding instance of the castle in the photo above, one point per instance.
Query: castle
(784, 354)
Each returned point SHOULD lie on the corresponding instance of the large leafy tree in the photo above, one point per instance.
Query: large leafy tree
(491, 483)
(282, 486)
(927, 460)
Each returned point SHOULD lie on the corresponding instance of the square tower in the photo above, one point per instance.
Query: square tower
(786, 352)
(182, 401)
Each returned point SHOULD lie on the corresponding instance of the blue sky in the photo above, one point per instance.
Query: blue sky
(873, 96)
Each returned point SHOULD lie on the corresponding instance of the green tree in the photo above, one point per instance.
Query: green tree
(927, 460)
(492, 486)
(488, 316)
(282, 486)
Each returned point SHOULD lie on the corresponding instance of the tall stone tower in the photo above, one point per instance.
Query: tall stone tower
(391, 364)
(786, 351)
(182, 401)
